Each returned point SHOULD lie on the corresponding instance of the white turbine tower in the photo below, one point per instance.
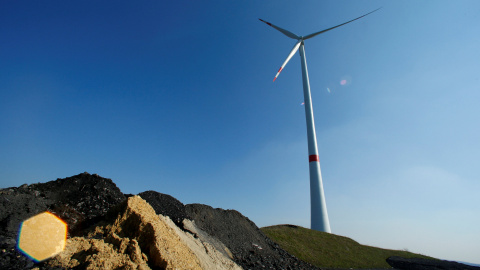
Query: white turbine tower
(319, 215)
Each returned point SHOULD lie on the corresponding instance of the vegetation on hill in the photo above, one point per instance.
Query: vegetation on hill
(331, 251)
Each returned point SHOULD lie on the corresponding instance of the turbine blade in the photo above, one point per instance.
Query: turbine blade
(331, 28)
(285, 32)
(294, 50)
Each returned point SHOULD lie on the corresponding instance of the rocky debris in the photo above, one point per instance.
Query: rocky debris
(426, 264)
(251, 249)
(11, 259)
(166, 205)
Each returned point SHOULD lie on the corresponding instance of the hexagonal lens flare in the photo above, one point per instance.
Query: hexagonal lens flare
(42, 236)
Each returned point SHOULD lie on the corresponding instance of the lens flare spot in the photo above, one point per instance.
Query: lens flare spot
(42, 236)
(303, 103)
(345, 80)
(328, 90)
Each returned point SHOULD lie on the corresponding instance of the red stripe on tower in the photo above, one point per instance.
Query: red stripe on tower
(312, 158)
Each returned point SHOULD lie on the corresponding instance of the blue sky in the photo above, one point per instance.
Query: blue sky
(178, 98)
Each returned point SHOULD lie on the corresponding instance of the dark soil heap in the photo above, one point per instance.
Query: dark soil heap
(80, 201)
(250, 247)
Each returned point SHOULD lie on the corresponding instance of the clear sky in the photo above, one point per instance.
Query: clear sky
(178, 97)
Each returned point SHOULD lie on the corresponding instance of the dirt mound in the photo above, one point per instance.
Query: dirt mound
(250, 247)
(137, 238)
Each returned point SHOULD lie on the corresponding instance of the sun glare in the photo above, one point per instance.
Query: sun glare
(42, 236)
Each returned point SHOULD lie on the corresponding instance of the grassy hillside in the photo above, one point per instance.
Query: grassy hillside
(329, 250)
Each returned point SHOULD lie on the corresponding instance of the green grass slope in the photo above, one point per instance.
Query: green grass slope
(331, 251)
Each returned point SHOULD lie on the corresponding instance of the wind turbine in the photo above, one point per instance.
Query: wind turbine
(319, 215)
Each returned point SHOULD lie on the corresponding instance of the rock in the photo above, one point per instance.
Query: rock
(426, 264)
